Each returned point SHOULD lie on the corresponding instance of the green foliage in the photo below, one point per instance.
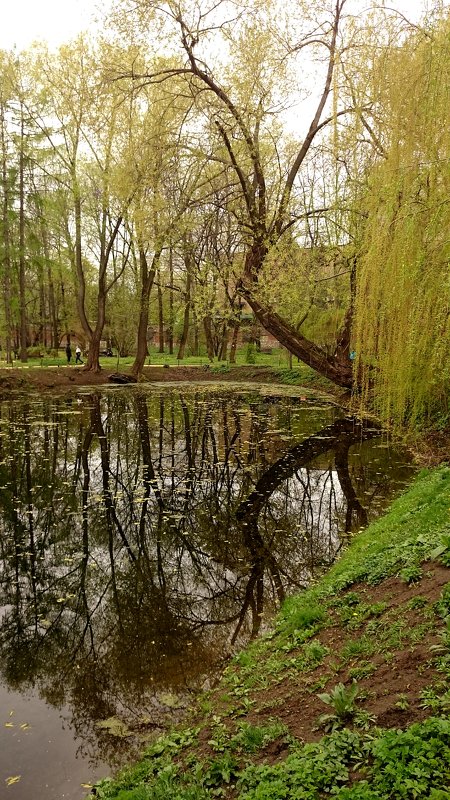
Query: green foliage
(408, 764)
(166, 785)
(399, 765)
(252, 738)
(443, 550)
(402, 702)
(222, 770)
(443, 604)
(354, 615)
(411, 574)
(309, 771)
(404, 537)
(402, 331)
(297, 617)
(220, 369)
(363, 646)
(395, 765)
(342, 700)
(302, 375)
(362, 670)
(436, 698)
(418, 602)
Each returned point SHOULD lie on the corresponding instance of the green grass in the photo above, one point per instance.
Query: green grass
(277, 360)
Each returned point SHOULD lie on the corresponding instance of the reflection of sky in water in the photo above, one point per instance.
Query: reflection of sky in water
(40, 748)
(143, 535)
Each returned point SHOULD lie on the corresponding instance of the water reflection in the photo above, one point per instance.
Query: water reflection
(144, 534)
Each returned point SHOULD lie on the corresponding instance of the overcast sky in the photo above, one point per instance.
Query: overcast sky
(54, 21)
(57, 21)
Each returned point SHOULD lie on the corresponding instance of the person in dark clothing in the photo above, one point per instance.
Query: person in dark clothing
(68, 353)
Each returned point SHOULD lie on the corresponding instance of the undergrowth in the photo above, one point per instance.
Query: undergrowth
(355, 759)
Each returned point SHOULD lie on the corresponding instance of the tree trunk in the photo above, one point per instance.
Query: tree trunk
(233, 346)
(187, 311)
(93, 357)
(78, 263)
(224, 343)
(171, 314)
(40, 336)
(6, 246)
(336, 368)
(54, 334)
(160, 316)
(65, 318)
(52, 311)
(147, 279)
(106, 245)
(209, 337)
(308, 352)
(196, 348)
(22, 300)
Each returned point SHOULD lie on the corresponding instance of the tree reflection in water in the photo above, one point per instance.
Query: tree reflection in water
(145, 534)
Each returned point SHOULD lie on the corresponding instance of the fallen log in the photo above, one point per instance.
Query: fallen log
(120, 377)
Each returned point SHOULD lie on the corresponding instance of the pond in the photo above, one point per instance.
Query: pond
(145, 535)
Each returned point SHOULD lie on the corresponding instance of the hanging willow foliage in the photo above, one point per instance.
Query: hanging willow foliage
(402, 307)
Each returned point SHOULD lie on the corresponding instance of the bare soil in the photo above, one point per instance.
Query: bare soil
(390, 694)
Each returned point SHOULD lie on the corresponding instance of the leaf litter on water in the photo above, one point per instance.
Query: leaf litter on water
(13, 779)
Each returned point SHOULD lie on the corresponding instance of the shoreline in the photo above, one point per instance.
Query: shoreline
(50, 378)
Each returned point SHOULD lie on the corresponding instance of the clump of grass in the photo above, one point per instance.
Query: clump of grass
(297, 616)
(252, 738)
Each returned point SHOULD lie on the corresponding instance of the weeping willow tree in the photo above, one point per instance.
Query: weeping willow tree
(402, 307)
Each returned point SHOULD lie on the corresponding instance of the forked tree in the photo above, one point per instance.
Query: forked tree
(237, 115)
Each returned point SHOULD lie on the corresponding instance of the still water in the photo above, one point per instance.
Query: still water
(145, 534)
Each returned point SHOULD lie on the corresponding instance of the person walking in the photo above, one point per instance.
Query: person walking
(78, 355)
(68, 352)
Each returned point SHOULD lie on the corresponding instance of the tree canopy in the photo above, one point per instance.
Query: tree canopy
(402, 320)
(201, 161)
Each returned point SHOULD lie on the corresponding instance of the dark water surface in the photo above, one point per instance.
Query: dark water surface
(144, 535)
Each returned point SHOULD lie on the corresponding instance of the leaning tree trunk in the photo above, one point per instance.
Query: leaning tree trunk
(337, 368)
(331, 367)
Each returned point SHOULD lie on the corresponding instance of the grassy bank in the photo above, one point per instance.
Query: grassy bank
(347, 696)
(34, 376)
